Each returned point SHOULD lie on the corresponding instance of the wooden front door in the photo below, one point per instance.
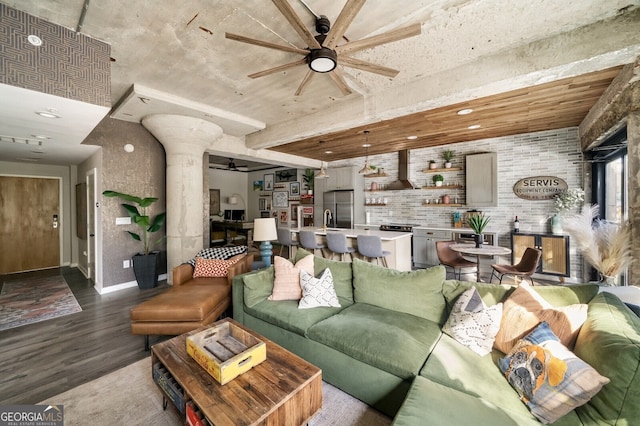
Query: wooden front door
(29, 224)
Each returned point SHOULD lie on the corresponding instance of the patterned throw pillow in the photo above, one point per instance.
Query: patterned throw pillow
(218, 253)
(524, 309)
(214, 268)
(286, 284)
(550, 379)
(473, 324)
(318, 292)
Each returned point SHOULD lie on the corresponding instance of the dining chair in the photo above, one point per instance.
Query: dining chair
(370, 246)
(453, 259)
(308, 241)
(337, 244)
(525, 268)
(285, 240)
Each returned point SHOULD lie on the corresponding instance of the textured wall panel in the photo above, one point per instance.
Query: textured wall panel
(67, 64)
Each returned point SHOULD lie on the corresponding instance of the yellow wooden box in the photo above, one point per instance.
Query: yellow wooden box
(225, 351)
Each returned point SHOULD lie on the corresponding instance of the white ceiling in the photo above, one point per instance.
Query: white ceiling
(467, 49)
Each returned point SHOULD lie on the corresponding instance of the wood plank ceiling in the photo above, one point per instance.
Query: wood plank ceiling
(559, 104)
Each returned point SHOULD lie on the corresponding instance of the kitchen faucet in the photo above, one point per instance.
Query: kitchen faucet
(326, 217)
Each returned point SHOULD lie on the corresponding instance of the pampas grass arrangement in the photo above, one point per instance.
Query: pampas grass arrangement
(605, 245)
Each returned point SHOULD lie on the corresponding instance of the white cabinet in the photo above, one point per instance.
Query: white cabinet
(424, 246)
(482, 180)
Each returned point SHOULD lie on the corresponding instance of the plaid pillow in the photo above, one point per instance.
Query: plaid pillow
(218, 253)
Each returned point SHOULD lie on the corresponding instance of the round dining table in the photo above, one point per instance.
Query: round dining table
(484, 250)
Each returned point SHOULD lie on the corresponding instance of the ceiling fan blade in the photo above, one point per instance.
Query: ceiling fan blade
(368, 66)
(388, 37)
(339, 27)
(262, 43)
(273, 70)
(338, 78)
(307, 78)
(287, 11)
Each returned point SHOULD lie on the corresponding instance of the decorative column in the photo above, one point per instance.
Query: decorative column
(185, 140)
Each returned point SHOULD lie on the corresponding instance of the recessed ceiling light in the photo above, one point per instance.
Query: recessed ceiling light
(465, 111)
(473, 127)
(47, 114)
(40, 136)
(34, 40)
(412, 137)
(328, 152)
(366, 145)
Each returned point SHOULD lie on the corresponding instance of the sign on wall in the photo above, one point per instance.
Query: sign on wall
(539, 187)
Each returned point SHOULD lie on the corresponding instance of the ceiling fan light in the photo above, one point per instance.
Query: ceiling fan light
(322, 60)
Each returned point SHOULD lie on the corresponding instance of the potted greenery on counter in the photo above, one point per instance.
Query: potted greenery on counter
(145, 263)
(478, 222)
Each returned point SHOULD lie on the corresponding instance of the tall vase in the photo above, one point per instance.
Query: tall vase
(556, 224)
(608, 280)
(478, 239)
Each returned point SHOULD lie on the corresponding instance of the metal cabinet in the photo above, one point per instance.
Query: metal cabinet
(424, 246)
(555, 251)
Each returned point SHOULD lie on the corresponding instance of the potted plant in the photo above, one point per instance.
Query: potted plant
(145, 263)
(565, 202)
(605, 245)
(432, 164)
(447, 156)
(438, 179)
(307, 178)
(478, 222)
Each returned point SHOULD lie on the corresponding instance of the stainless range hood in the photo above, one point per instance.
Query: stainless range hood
(403, 181)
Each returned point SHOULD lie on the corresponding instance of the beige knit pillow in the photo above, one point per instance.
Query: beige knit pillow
(525, 309)
(286, 285)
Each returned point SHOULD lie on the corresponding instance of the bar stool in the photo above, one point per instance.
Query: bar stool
(370, 246)
(308, 241)
(284, 239)
(337, 243)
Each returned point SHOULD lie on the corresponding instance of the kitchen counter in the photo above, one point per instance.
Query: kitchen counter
(398, 243)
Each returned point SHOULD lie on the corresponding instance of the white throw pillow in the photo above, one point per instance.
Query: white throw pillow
(473, 324)
(319, 291)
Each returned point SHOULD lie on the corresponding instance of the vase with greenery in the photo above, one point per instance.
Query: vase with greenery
(447, 156)
(565, 202)
(308, 178)
(145, 262)
(605, 245)
(438, 179)
(478, 223)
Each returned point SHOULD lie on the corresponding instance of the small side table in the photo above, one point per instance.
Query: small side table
(485, 250)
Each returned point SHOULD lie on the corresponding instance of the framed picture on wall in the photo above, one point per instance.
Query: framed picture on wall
(283, 216)
(294, 212)
(262, 204)
(287, 175)
(294, 188)
(268, 182)
(280, 199)
(214, 202)
(257, 185)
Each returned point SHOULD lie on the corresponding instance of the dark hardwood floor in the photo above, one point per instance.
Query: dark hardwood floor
(41, 360)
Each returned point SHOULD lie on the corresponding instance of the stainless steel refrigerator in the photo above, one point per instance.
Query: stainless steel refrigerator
(340, 203)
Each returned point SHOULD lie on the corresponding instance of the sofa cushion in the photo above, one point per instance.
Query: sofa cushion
(341, 272)
(286, 285)
(550, 379)
(395, 342)
(610, 342)
(524, 309)
(286, 314)
(258, 286)
(317, 292)
(417, 293)
(473, 324)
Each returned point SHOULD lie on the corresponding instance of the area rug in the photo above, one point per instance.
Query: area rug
(129, 396)
(35, 299)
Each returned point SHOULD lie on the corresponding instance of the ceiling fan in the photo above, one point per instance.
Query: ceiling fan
(229, 166)
(323, 54)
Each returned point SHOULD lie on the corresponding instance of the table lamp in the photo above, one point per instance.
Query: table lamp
(264, 230)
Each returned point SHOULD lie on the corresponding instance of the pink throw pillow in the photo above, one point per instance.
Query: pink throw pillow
(286, 285)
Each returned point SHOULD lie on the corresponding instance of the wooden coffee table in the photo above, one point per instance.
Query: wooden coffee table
(283, 390)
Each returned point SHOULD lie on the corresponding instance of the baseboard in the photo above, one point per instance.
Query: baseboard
(123, 286)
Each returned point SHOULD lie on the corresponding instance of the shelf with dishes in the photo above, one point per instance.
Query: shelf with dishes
(376, 175)
(442, 205)
(442, 187)
(375, 204)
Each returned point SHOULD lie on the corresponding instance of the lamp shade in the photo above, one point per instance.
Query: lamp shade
(264, 229)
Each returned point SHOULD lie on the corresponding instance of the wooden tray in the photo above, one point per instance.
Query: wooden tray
(226, 351)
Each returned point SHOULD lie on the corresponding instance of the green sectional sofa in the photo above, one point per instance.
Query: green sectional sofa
(384, 345)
